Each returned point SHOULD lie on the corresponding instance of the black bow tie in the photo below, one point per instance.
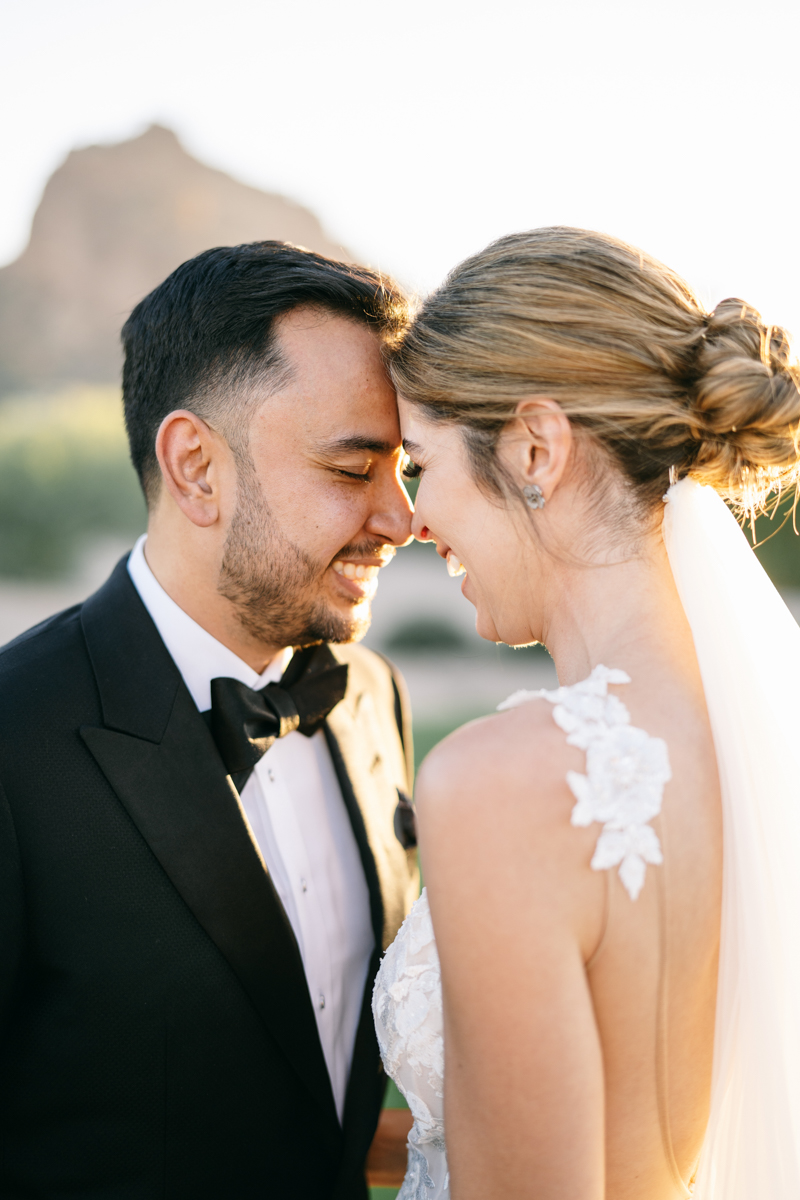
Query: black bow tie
(245, 723)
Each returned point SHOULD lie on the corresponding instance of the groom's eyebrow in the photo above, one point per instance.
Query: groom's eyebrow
(356, 443)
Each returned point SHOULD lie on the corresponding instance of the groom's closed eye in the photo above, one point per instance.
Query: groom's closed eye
(359, 470)
(357, 475)
(367, 448)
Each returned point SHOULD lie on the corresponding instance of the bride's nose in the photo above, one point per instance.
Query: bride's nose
(420, 529)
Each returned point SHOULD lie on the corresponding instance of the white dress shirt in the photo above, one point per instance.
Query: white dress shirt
(297, 817)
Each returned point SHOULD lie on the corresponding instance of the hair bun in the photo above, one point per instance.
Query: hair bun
(747, 404)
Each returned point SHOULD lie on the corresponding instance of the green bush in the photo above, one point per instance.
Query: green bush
(778, 546)
(65, 477)
(426, 635)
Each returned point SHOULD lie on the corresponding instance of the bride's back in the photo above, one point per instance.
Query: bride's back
(653, 977)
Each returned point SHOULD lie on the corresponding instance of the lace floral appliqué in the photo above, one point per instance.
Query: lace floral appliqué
(626, 770)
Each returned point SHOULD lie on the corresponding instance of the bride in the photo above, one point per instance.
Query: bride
(612, 868)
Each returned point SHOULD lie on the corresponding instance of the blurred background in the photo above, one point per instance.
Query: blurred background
(134, 135)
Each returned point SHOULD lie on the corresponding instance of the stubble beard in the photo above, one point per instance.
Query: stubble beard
(273, 584)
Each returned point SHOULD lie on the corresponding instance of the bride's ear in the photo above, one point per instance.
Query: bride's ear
(538, 444)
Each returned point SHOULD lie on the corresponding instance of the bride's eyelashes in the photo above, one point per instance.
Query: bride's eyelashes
(410, 470)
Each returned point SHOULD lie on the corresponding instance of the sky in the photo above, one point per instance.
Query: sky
(418, 132)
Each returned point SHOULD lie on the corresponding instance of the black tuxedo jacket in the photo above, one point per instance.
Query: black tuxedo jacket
(157, 1038)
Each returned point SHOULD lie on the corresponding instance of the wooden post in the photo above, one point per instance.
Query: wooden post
(386, 1161)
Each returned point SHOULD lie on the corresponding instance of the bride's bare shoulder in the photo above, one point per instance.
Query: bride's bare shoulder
(504, 741)
(493, 804)
(499, 776)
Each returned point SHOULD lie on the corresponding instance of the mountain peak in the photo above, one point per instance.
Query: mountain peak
(113, 222)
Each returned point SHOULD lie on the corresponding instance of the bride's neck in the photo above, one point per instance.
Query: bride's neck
(625, 614)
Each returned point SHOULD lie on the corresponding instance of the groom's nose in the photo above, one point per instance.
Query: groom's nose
(390, 516)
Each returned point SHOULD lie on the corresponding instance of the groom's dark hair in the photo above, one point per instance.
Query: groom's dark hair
(205, 336)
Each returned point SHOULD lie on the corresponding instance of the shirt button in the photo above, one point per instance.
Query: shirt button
(321, 1000)
(270, 776)
(303, 885)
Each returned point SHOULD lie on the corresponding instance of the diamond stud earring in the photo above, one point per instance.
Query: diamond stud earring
(534, 496)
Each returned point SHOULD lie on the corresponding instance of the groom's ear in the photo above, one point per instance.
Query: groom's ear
(538, 444)
(194, 461)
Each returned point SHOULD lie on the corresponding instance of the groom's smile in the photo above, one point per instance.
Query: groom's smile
(359, 576)
(326, 451)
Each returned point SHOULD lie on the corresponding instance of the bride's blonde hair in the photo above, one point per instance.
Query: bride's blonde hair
(625, 347)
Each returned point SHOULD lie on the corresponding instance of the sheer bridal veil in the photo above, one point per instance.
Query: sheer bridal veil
(748, 648)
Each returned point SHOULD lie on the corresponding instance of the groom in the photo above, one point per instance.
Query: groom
(202, 836)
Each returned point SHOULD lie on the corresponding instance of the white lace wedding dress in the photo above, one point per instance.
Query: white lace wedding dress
(622, 789)
(407, 1006)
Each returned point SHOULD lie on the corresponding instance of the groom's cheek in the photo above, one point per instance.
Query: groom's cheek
(309, 512)
(334, 517)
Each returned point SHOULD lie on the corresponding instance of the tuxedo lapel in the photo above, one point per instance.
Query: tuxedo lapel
(160, 759)
(369, 761)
